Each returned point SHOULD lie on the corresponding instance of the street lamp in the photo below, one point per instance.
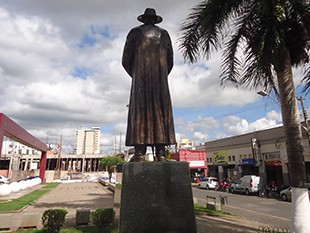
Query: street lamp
(306, 128)
(264, 93)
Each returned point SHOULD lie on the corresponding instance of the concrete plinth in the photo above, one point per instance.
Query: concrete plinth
(157, 197)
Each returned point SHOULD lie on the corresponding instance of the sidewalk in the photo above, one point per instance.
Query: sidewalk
(88, 195)
(70, 196)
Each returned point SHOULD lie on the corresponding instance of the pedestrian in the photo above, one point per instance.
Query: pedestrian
(148, 59)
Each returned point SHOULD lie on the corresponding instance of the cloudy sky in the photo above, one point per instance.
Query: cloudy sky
(60, 68)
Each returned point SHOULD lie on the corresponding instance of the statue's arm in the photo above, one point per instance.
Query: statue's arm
(169, 54)
(128, 53)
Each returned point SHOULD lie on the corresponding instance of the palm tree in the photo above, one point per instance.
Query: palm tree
(262, 40)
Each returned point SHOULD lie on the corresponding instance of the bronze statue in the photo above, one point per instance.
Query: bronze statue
(148, 59)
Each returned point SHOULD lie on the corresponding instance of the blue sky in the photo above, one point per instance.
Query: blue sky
(61, 62)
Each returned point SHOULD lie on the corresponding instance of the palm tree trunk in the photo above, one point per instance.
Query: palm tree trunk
(294, 148)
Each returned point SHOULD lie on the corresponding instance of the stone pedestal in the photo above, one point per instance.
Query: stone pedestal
(157, 197)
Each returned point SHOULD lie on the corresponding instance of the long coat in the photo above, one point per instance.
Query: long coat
(148, 59)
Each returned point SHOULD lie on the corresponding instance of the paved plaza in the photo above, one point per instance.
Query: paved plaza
(89, 195)
(70, 196)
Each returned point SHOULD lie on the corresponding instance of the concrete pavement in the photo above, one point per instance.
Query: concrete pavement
(88, 195)
(70, 196)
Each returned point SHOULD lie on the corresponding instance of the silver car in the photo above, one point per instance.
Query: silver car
(286, 194)
(208, 183)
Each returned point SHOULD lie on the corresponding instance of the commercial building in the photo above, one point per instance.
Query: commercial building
(260, 152)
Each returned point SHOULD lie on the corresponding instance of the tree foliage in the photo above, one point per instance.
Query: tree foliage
(111, 161)
(254, 35)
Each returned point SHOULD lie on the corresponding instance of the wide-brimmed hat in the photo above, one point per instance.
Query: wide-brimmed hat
(150, 12)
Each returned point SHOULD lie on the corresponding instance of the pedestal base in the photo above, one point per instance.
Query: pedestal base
(157, 198)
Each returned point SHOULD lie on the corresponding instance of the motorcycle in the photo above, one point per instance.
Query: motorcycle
(222, 185)
(270, 192)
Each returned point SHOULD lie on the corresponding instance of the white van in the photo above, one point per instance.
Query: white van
(246, 184)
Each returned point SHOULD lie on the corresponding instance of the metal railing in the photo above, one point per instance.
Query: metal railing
(272, 229)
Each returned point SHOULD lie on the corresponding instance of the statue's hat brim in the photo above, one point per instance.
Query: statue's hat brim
(150, 12)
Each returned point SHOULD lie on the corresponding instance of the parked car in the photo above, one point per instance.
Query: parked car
(247, 184)
(286, 194)
(4, 180)
(208, 183)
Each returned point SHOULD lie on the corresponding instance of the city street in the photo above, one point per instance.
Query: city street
(265, 211)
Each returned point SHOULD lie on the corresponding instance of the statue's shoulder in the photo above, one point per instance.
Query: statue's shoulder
(136, 29)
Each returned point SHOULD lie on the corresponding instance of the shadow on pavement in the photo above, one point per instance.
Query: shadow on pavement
(225, 225)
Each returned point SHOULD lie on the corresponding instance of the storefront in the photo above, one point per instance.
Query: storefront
(196, 160)
(273, 167)
(248, 167)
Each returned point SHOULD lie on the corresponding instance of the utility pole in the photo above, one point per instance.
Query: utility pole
(305, 118)
(120, 142)
(115, 145)
(59, 154)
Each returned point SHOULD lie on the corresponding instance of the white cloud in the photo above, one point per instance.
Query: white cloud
(234, 125)
(46, 46)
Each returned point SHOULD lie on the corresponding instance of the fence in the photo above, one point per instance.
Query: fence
(272, 229)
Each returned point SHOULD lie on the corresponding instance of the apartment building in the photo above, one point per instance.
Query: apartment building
(87, 141)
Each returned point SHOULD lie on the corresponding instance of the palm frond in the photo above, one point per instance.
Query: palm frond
(201, 30)
(307, 80)
(260, 29)
(231, 64)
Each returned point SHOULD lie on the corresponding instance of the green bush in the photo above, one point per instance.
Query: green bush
(53, 219)
(102, 218)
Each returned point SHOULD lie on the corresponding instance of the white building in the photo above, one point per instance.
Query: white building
(87, 141)
(186, 144)
(10, 147)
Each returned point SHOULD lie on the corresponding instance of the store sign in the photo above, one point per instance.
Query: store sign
(248, 161)
(272, 158)
(255, 149)
(220, 157)
(199, 163)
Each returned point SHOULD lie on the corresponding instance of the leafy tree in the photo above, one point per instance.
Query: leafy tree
(110, 162)
(262, 40)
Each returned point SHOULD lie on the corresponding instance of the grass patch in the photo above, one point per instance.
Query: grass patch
(118, 186)
(27, 199)
(203, 210)
(50, 185)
